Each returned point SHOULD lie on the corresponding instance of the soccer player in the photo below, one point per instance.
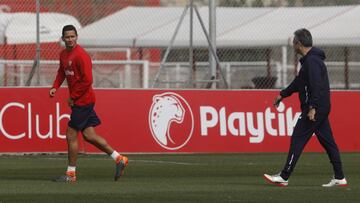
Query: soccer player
(76, 67)
(312, 84)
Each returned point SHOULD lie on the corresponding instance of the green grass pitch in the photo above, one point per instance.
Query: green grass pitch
(176, 178)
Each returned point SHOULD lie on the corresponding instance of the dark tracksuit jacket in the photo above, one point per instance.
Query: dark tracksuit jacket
(312, 84)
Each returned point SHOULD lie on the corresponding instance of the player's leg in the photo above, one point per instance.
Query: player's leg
(89, 121)
(99, 142)
(301, 135)
(72, 142)
(78, 119)
(303, 131)
(73, 147)
(326, 139)
(88, 130)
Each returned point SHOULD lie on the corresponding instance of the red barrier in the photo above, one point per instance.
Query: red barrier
(170, 121)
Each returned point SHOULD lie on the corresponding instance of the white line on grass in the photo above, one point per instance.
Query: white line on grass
(133, 160)
(167, 162)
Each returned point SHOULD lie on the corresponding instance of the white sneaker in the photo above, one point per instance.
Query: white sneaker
(336, 182)
(276, 180)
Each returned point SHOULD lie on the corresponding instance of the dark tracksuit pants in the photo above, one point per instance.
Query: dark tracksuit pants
(303, 131)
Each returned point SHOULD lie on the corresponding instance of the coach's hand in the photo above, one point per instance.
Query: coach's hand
(52, 92)
(277, 101)
(71, 102)
(311, 114)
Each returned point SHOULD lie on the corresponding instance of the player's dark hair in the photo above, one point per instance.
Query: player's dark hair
(304, 37)
(68, 28)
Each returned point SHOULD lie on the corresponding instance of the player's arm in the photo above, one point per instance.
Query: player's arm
(315, 82)
(85, 70)
(60, 77)
(292, 88)
(288, 91)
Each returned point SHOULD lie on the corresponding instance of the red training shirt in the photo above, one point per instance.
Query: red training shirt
(76, 67)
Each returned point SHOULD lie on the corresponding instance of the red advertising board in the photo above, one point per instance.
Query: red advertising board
(175, 121)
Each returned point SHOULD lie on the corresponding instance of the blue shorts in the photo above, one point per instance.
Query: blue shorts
(83, 117)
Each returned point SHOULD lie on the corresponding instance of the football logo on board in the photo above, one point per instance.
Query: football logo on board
(171, 120)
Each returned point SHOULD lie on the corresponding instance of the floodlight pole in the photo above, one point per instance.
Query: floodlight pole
(170, 45)
(212, 35)
(36, 64)
(215, 71)
(213, 50)
(191, 44)
(38, 41)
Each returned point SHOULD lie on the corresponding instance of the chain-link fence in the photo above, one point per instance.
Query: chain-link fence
(129, 41)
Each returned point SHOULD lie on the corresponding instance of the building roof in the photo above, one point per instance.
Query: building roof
(236, 27)
(20, 28)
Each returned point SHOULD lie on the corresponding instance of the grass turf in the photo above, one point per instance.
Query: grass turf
(176, 178)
